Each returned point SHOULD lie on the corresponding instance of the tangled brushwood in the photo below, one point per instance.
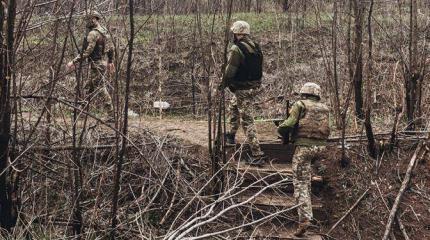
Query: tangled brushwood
(148, 160)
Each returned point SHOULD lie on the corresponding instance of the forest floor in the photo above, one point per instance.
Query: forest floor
(343, 186)
(194, 131)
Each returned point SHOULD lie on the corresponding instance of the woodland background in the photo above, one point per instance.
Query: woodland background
(66, 173)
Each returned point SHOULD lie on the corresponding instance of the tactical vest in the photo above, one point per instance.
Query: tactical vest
(251, 68)
(99, 49)
(314, 121)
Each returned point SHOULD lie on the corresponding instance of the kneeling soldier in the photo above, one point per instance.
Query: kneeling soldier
(308, 126)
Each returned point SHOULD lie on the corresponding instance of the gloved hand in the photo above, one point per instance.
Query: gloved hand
(221, 87)
(277, 122)
(285, 134)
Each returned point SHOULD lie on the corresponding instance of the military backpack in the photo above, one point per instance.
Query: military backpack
(251, 69)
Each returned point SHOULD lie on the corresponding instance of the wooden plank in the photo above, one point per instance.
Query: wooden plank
(272, 199)
(268, 167)
(283, 170)
(276, 152)
(265, 231)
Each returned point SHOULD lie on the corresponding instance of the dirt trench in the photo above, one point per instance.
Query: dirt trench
(195, 132)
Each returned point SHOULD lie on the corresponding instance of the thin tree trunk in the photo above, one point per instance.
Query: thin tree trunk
(8, 213)
(358, 58)
(372, 147)
(335, 62)
(412, 75)
(120, 159)
(285, 5)
(344, 160)
(219, 150)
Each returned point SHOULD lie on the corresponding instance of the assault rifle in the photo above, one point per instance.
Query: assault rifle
(277, 121)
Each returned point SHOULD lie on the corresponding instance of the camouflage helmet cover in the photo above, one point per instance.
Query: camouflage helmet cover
(94, 14)
(311, 89)
(241, 27)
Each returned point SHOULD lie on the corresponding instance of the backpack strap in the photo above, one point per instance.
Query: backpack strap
(245, 47)
(302, 111)
(98, 30)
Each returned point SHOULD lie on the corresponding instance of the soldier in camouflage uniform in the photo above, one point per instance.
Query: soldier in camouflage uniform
(242, 76)
(97, 45)
(308, 127)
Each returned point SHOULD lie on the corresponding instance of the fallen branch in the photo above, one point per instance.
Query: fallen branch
(96, 147)
(402, 227)
(208, 235)
(405, 183)
(348, 212)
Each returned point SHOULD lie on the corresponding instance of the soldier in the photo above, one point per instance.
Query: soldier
(97, 44)
(242, 76)
(308, 126)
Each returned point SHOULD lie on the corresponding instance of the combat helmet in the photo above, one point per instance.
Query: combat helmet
(310, 88)
(94, 14)
(241, 27)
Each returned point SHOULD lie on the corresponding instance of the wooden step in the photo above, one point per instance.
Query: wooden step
(286, 232)
(256, 172)
(275, 152)
(274, 200)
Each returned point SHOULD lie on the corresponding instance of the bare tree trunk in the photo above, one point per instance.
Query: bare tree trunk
(259, 6)
(335, 62)
(412, 74)
(219, 150)
(8, 211)
(372, 147)
(285, 5)
(358, 57)
(120, 159)
(76, 174)
(193, 62)
(344, 160)
(76, 171)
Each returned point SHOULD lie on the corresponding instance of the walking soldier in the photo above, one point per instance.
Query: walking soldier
(97, 44)
(308, 126)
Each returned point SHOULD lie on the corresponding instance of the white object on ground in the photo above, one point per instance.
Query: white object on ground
(162, 105)
(132, 113)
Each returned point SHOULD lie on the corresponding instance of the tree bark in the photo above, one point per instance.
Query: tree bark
(412, 74)
(120, 159)
(8, 211)
(344, 161)
(358, 58)
(372, 147)
(285, 5)
(335, 63)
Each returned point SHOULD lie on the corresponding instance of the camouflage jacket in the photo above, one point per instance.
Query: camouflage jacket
(303, 138)
(96, 45)
(234, 59)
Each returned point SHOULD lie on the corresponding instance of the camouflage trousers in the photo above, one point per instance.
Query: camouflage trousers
(96, 87)
(241, 114)
(302, 178)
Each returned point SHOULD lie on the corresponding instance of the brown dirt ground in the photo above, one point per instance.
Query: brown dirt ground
(195, 132)
(343, 186)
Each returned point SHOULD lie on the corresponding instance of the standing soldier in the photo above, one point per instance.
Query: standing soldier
(308, 125)
(97, 44)
(242, 76)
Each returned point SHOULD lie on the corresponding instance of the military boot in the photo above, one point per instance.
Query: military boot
(303, 227)
(230, 139)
